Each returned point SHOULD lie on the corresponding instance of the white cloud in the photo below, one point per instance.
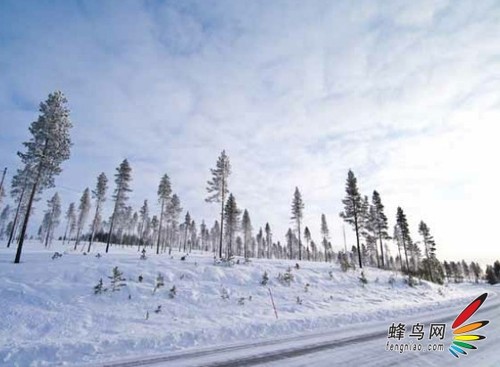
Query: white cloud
(405, 94)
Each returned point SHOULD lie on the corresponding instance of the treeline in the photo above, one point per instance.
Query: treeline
(232, 234)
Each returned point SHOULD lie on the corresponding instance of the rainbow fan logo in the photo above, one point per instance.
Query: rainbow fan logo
(462, 337)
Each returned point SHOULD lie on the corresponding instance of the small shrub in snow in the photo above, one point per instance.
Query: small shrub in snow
(392, 281)
(140, 278)
(98, 255)
(265, 278)
(286, 278)
(224, 262)
(241, 301)
(172, 293)
(224, 294)
(99, 288)
(158, 309)
(56, 255)
(159, 283)
(330, 273)
(147, 315)
(117, 281)
(249, 298)
(306, 287)
(299, 300)
(441, 292)
(143, 254)
(297, 266)
(362, 279)
(183, 258)
(411, 281)
(344, 264)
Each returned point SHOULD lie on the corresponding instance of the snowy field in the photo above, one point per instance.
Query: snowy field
(51, 316)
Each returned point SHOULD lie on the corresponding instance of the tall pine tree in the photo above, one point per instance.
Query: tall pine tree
(99, 194)
(123, 177)
(246, 225)
(83, 213)
(232, 218)
(53, 214)
(47, 149)
(352, 213)
(402, 224)
(164, 192)
(380, 223)
(297, 215)
(218, 189)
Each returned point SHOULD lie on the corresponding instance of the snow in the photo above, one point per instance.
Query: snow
(51, 316)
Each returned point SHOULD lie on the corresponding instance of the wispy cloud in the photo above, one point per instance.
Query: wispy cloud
(405, 94)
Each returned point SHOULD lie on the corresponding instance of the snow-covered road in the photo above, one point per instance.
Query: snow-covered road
(361, 345)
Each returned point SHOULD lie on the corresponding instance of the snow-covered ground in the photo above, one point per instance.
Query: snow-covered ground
(51, 316)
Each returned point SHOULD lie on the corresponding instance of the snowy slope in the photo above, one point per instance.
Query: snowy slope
(52, 317)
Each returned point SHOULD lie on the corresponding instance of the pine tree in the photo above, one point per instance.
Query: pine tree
(70, 222)
(83, 213)
(289, 241)
(232, 219)
(4, 216)
(187, 224)
(380, 223)
(99, 194)
(164, 192)
(269, 239)
(174, 210)
(19, 187)
(405, 234)
(122, 180)
(325, 234)
(246, 225)
(307, 237)
(48, 148)
(429, 246)
(144, 216)
(352, 209)
(218, 188)
(53, 214)
(297, 215)
(491, 277)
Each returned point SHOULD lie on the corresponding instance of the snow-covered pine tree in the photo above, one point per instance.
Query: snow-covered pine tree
(297, 215)
(123, 177)
(116, 279)
(70, 222)
(381, 224)
(269, 239)
(325, 234)
(19, 190)
(218, 189)
(164, 192)
(143, 218)
(307, 237)
(83, 213)
(186, 224)
(99, 194)
(432, 266)
(53, 214)
(352, 209)
(4, 216)
(289, 241)
(174, 210)
(47, 149)
(404, 234)
(246, 226)
(232, 218)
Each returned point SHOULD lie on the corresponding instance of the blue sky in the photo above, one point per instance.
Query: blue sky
(297, 92)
